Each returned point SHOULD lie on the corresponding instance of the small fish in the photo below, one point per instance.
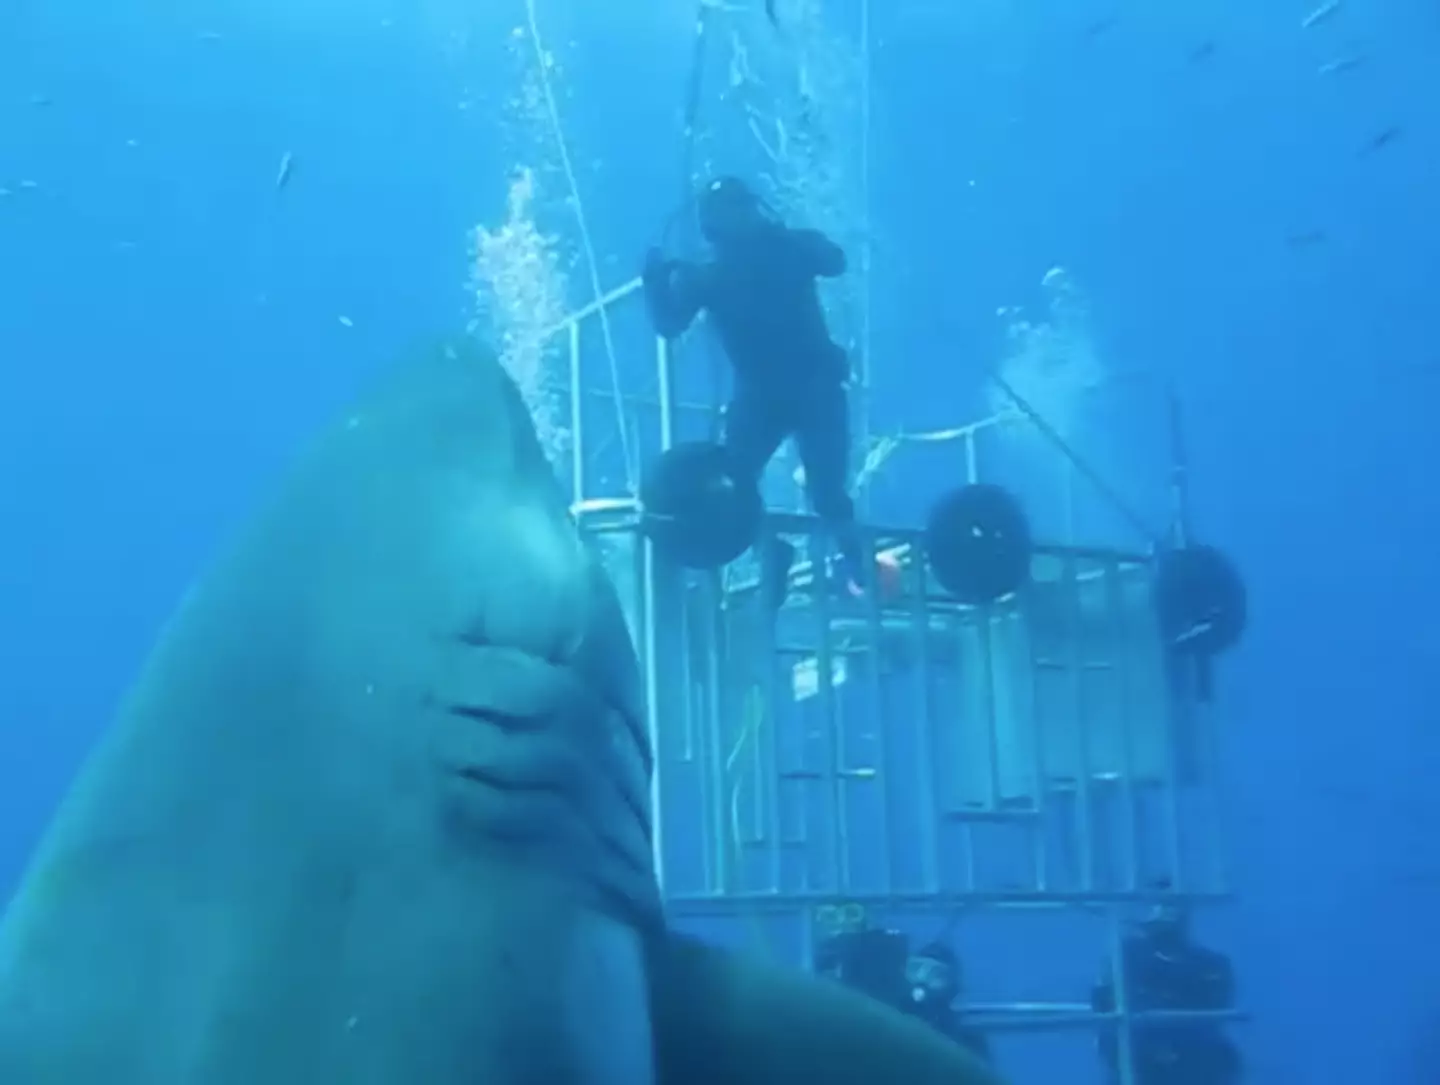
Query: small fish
(1202, 52)
(5, 192)
(40, 101)
(30, 186)
(1304, 239)
(1320, 14)
(1340, 66)
(1381, 140)
(770, 13)
(346, 322)
(1101, 26)
(208, 35)
(287, 167)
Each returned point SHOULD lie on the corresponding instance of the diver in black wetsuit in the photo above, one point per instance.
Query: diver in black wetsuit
(1165, 969)
(923, 984)
(760, 295)
(934, 976)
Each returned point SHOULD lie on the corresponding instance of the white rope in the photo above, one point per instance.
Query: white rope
(883, 448)
(591, 263)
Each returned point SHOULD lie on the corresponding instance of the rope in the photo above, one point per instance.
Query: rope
(693, 92)
(1095, 478)
(692, 101)
(884, 448)
(591, 263)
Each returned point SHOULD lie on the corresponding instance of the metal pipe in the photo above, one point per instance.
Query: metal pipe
(919, 905)
(985, 616)
(1120, 985)
(867, 248)
(930, 760)
(577, 418)
(713, 708)
(967, 831)
(717, 804)
(667, 398)
(1084, 797)
(1129, 799)
(693, 645)
(1039, 849)
(593, 307)
(1180, 534)
(1093, 476)
(1170, 800)
(771, 747)
(883, 743)
(652, 711)
(836, 767)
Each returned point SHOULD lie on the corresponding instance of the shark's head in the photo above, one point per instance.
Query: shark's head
(380, 793)
(451, 574)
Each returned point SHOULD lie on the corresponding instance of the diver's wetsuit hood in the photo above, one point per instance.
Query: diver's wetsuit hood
(934, 977)
(729, 211)
(1166, 928)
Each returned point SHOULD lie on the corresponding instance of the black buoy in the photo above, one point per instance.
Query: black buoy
(1200, 601)
(979, 544)
(696, 510)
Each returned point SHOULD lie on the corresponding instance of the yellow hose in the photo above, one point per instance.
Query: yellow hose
(752, 719)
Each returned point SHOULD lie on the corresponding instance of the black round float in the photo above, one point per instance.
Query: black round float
(696, 510)
(979, 543)
(1200, 601)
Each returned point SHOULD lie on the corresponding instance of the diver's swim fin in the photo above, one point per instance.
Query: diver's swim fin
(719, 1019)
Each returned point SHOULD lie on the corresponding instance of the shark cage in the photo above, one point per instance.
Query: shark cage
(1010, 737)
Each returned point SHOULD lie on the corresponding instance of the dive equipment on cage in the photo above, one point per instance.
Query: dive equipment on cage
(696, 509)
(1200, 601)
(979, 544)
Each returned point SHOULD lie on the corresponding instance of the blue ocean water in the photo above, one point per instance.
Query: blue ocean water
(218, 219)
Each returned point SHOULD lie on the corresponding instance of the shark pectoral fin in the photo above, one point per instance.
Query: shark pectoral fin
(721, 1019)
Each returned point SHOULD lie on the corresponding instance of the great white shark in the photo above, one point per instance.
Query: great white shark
(377, 811)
